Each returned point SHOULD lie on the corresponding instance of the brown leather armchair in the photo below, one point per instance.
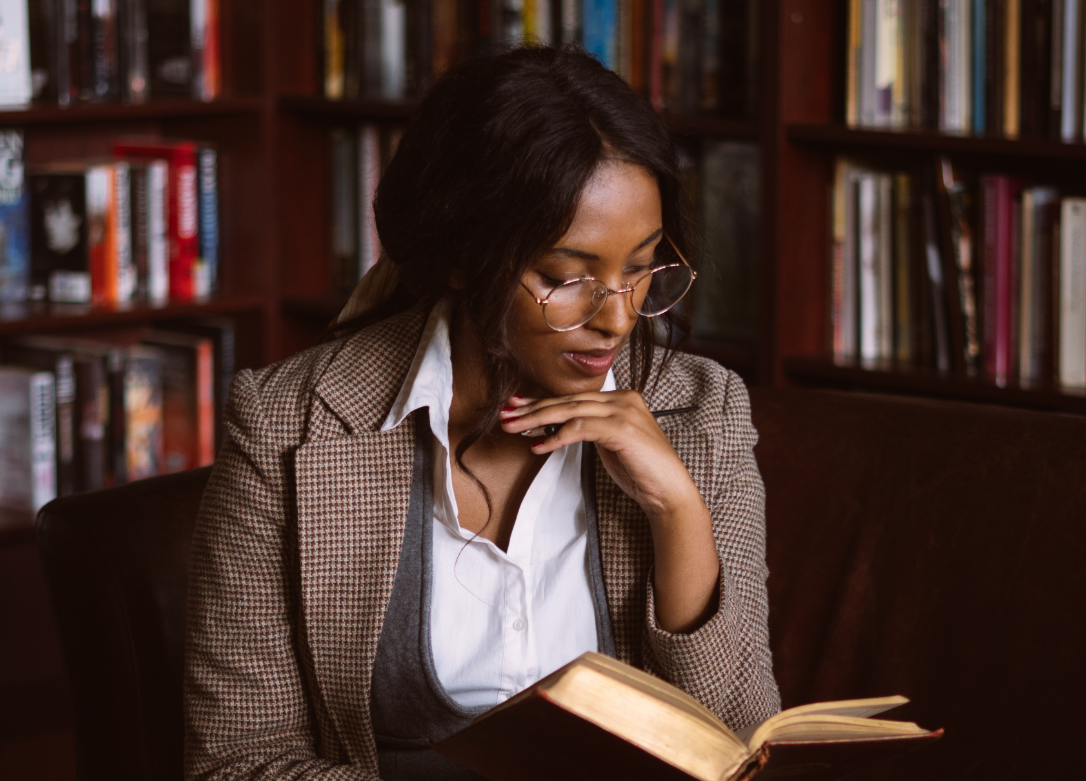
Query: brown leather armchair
(117, 563)
(926, 548)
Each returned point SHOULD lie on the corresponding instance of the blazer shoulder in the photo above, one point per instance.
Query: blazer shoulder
(691, 380)
(342, 386)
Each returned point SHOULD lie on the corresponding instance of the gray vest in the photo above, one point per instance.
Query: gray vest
(409, 706)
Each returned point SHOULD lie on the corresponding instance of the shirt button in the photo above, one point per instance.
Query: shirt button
(520, 625)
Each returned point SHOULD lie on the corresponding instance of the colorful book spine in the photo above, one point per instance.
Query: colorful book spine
(27, 438)
(1072, 291)
(208, 207)
(599, 20)
(980, 46)
(14, 219)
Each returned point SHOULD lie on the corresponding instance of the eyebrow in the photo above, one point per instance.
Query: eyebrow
(569, 252)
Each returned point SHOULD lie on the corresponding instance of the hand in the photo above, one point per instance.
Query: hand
(641, 460)
(634, 450)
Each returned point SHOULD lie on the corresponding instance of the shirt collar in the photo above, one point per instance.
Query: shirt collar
(429, 381)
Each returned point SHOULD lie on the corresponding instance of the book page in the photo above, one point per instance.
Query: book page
(828, 726)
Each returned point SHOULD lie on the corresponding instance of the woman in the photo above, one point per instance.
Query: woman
(382, 554)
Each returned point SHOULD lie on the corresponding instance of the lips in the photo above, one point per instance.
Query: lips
(592, 362)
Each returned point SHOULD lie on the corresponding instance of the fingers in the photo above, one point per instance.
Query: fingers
(530, 419)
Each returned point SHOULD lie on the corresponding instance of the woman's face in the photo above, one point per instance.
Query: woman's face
(615, 230)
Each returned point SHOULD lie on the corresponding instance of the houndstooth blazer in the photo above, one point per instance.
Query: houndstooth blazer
(299, 536)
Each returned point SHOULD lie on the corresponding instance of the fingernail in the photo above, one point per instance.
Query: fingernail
(509, 409)
(538, 442)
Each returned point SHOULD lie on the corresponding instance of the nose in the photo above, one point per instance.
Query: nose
(617, 315)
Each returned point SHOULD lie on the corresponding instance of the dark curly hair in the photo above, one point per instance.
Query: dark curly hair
(487, 178)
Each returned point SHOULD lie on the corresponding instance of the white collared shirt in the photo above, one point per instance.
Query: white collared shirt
(500, 620)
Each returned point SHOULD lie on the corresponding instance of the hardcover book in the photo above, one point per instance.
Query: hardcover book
(14, 219)
(27, 438)
(599, 719)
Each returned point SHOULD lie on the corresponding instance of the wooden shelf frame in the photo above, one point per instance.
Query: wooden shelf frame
(116, 112)
(34, 317)
(824, 370)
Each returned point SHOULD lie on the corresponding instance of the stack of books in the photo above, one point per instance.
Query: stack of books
(141, 226)
(687, 58)
(984, 277)
(999, 67)
(81, 413)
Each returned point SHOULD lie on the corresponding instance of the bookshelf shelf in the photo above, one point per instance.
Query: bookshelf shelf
(114, 112)
(824, 370)
(835, 136)
(374, 110)
(27, 317)
(320, 108)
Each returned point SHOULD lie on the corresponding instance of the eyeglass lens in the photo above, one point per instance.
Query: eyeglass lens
(572, 305)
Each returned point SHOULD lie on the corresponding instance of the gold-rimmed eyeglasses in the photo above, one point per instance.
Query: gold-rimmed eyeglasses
(574, 302)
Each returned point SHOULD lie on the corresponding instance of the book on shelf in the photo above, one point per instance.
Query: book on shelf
(131, 403)
(985, 274)
(189, 278)
(1072, 294)
(14, 219)
(1009, 68)
(15, 81)
(598, 718)
(686, 57)
(126, 51)
(356, 164)
(728, 187)
(188, 408)
(27, 440)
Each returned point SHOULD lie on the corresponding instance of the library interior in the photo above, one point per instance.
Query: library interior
(890, 203)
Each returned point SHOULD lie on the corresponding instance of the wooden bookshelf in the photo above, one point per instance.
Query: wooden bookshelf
(116, 112)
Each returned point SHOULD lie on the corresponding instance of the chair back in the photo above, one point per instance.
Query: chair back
(116, 562)
(933, 549)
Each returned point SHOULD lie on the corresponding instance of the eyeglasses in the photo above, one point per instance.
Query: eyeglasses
(573, 303)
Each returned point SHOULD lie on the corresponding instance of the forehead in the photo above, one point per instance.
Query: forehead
(619, 203)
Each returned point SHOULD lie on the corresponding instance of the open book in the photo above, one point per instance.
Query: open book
(597, 718)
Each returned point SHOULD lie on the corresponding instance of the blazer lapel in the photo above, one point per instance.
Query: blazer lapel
(353, 493)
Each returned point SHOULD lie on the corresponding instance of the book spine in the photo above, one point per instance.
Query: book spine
(42, 439)
(205, 403)
(1003, 281)
(656, 55)
(886, 30)
(207, 160)
(64, 420)
(15, 82)
(868, 97)
(42, 24)
(117, 472)
(934, 282)
(1012, 68)
(127, 277)
(197, 35)
(980, 46)
(14, 219)
(902, 277)
(868, 247)
(884, 306)
(393, 53)
(1027, 272)
(134, 68)
(169, 48)
(143, 452)
(600, 30)
(845, 262)
(964, 55)
(1046, 252)
(92, 394)
(183, 224)
(211, 68)
(369, 173)
(853, 64)
(158, 234)
(138, 199)
(344, 208)
(1055, 87)
(105, 78)
(1069, 76)
(103, 271)
(1072, 316)
(640, 49)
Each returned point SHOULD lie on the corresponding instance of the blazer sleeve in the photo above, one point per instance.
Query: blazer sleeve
(246, 711)
(726, 663)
